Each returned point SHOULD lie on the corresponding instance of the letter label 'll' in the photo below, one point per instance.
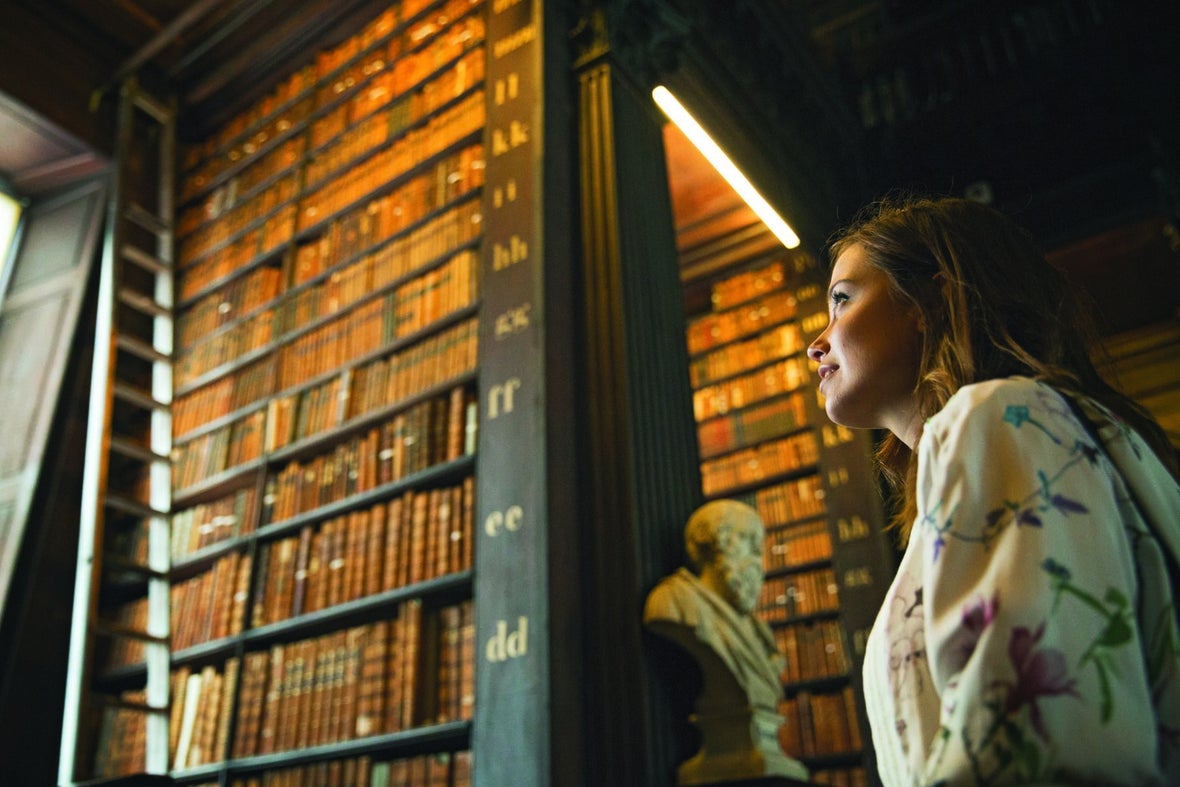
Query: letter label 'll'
(504, 645)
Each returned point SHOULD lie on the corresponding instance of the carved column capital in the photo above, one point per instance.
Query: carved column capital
(645, 37)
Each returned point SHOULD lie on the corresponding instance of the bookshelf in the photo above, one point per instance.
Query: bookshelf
(330, 245)
(764, 439)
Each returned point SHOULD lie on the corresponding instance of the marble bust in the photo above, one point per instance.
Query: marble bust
(709, 612)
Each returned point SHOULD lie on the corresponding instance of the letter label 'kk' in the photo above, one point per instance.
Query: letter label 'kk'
(504, 645)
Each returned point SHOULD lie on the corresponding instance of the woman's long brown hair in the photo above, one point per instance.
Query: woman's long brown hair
(992, 306)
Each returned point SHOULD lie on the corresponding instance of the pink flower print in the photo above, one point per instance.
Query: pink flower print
(976, 617)
(1039, 673)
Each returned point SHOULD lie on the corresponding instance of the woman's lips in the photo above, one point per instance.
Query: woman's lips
(826, 370)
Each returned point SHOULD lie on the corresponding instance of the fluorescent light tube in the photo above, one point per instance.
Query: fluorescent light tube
(716, 156)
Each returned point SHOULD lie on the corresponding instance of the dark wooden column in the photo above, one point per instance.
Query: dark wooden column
(641, 479)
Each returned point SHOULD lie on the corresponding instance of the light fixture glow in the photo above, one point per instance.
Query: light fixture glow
(727, 169)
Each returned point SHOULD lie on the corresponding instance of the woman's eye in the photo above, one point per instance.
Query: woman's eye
(838, 298)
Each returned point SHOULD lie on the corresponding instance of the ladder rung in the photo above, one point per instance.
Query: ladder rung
(132, 506)
(143, 303)
(120, 563)
(143, 350)
(137, 396)
(153, 107)
(134, 451)
(126, 632)
(144, 260)
(146, 219)
(140, 707)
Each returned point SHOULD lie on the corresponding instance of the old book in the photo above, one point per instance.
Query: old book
(302, 561)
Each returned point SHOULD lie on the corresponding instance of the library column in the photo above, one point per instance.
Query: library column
(641, 480)
(527, 730)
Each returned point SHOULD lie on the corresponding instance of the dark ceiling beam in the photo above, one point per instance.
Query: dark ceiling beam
(164, 38)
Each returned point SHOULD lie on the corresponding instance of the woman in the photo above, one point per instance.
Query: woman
(1029, 634)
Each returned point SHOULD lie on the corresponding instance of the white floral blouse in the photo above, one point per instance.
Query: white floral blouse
(1029, 635)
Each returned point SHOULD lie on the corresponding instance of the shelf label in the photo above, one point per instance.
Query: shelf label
(861, 576)
(500, 397)
(504, 645)
(503, 256)
(838, 477)
(504, 194)
(853, 528)
(506, 520)
(506, 140)
(836, 434)
(860, 638)
(506, 89)
(513, 321)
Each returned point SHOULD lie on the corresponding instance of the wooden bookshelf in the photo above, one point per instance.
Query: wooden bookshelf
(764, 439)
(329, 244)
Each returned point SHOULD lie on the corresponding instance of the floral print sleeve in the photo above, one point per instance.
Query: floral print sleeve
(1023, 584)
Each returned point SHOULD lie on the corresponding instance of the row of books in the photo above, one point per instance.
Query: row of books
(751, 465)
(218, 451)
(418, 536)
(205, 524)
(380, 384)
(121, 737)
(797, 546)
(383, 77)
(199, 715)
(444, 769)
(241, 339)
(275, 114)
(228, 304)
(384, 216)
(381, 677)
(440, 132)
(747, 285)
(357, 231)
(736, 393)
(380, 116)
(114, 652)
(437, 430)
(212, 604)
(227, 394)
(813, 650)
(781, 341)
(794, 595)
(841, 777)
(790, 501)
(257, 212)
(818, 724)
(753, 425)
(448, 231)
(367, 328)
(708, 331)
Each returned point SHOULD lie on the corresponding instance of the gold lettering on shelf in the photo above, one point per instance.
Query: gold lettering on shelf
(513, 321)
(504, 141)
(837, 477)
(853, 528)
(807, 292)
(860, 638)
(814, 323)
(836, 434)
(858, 577)
(504, 194)
(514, 41)
(500, 6)
(503, 256)
(503, 645)
(506, 89)
(506, 520)
(500, 397)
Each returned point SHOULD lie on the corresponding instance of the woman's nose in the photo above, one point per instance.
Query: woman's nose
(817, 349)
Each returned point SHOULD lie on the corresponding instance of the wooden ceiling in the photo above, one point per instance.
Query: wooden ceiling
(1063, 112)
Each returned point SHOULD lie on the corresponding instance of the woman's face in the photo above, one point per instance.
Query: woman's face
(868, 355)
